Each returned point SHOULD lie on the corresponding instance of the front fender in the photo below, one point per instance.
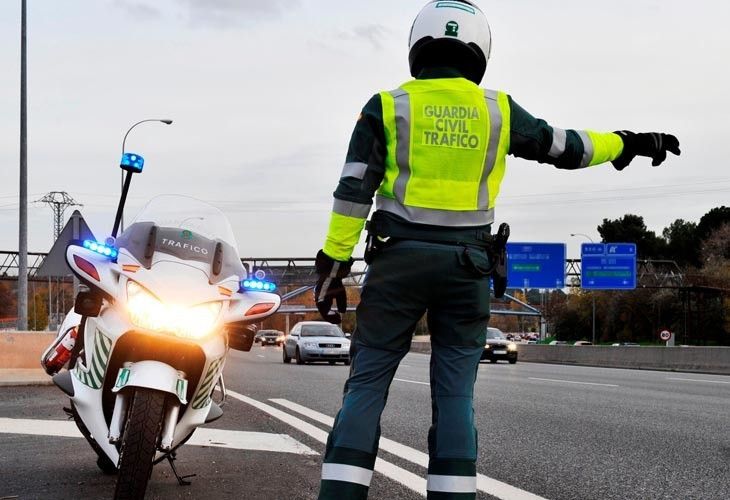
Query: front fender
(153, 375)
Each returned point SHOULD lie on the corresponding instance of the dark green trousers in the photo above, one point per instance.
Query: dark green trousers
(406, 280)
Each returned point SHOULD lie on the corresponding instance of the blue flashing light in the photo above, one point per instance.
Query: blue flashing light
(104, 250)
(258, 285)
(132, 162)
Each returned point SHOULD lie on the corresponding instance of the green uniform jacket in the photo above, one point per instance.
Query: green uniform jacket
(530, 138)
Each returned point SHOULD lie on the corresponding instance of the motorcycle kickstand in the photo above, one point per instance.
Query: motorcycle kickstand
(181, 480)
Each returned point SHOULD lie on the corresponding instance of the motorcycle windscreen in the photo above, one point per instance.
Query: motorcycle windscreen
(185, 228)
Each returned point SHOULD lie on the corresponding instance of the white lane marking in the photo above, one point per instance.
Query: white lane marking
(700, 380)
(486, 484)
(56, 428)
(255, 441)
(402, 476)
(237, 440)
(260, 356)
(572, 382)
(411, 381)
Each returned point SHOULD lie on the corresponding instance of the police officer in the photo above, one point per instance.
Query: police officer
(432, 153)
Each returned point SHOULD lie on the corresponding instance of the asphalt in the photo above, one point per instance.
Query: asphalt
(560, 432)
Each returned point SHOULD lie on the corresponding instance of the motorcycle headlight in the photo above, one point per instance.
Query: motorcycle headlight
(147, 311)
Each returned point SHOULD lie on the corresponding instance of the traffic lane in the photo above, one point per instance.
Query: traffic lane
(629, 442)
(689, 383)
(547, 428)
(53, 467)
(262, 374)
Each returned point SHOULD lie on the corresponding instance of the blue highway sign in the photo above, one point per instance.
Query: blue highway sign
(536, 265)
(608, 266)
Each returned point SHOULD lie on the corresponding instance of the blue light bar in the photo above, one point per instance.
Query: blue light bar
(256, 286)
(132, 162)
(102, 249)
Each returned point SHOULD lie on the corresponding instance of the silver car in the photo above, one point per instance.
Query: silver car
(316, 341)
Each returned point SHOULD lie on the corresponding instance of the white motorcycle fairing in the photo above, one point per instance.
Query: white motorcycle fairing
(120, 356)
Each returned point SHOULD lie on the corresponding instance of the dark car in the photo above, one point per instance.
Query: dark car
(267, 337)
(498, 347)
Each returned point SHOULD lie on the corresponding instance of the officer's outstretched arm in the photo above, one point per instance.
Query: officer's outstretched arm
(533, 139)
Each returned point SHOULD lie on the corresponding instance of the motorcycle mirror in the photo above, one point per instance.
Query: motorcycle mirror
(240, 337)
(88, 304)
(132, 162)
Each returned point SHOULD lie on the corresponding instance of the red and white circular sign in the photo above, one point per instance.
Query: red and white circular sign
(665, 335)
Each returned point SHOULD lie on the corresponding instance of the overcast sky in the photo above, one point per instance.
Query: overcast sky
(264, 95)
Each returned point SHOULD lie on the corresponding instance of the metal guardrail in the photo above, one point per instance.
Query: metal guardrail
(300, 271)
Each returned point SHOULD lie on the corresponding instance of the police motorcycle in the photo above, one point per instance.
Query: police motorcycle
(146, 342)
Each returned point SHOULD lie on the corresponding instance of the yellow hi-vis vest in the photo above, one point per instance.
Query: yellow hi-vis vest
(446, 140)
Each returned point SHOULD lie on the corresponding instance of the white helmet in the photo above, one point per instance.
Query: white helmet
(451, 32)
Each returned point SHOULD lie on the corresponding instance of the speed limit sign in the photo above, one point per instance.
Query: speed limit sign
(665, 335)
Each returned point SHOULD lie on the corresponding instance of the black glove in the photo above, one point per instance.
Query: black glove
(329, 286)
(653, 145)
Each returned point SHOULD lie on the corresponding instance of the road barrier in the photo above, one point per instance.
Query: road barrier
(23, 349)
(715, 360)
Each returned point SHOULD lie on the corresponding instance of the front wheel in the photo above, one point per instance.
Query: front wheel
(513, 361)
(298, 357)
(286, 357)
(139, 443)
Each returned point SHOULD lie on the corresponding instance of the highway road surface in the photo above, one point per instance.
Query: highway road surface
(545, 431)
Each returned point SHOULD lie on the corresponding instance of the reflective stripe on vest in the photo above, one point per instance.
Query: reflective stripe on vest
(346, 473)
(445, 159)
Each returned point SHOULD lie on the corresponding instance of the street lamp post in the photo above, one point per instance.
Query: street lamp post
(593, 294)
(124, 142)
(23, 191)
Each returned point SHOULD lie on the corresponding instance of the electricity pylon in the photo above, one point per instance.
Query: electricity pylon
(59, 201)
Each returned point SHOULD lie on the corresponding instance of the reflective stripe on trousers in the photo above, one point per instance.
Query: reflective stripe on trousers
(346, 473)
(452, 484)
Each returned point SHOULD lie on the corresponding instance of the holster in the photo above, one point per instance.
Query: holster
(499, 256)
(373, 246)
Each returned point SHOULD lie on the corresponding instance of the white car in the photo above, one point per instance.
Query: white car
(316, 341)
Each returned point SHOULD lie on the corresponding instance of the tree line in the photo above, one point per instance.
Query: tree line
(698, 313)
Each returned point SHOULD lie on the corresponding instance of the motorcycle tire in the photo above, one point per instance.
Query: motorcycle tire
(139, 443)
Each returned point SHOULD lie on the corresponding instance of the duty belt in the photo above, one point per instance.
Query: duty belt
(385, 229)
(382, 232)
